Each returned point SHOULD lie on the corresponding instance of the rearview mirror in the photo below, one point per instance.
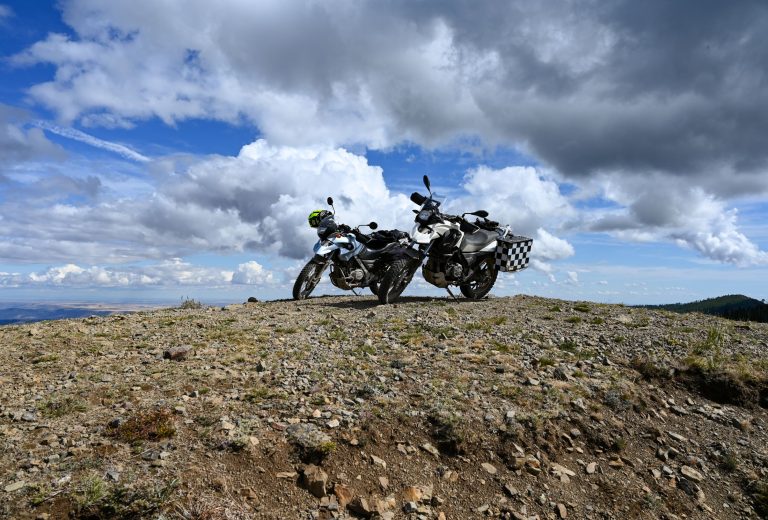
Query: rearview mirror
(426, 183)
(329, 200)
(481, 213)
(373, 225)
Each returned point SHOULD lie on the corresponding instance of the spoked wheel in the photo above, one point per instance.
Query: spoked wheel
(483, 281)
(308, 279)
(374, 287)
(395, 280)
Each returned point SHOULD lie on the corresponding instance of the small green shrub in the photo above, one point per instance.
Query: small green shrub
(546, 361)
(59, 408)
(148, 425)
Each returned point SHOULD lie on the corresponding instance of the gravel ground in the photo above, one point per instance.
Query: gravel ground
(337, 407)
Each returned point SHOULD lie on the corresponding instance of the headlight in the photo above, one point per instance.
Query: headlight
(423, 216)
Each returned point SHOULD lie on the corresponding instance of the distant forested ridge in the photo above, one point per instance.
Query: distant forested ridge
(732, 306)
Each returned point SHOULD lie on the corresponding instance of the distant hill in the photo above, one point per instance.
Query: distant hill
(732, 306)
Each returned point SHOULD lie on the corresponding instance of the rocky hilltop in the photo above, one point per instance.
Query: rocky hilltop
(336, 407)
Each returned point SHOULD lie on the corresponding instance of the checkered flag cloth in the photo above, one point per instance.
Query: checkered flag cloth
(512, 253)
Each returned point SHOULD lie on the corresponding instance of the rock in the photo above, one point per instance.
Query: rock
(562, 512)
(561, 471)
(333, 423)
(314, 479)
(511, 490)
(28, 417)
(177, 353)
(344, 495)
(688, 487)
(489, 468)
(384, 483)
(360, 506)
(410, 507)
(677, 437)
(249, 493)
(412, 494)
(10, 488)
(252, 299)
(379, 461)
(286, 474)
(310, 442)
(430, 449)
(579, 404)
(691, 473)
(591, 468)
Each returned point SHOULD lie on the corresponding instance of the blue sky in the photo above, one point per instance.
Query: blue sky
(153, 152)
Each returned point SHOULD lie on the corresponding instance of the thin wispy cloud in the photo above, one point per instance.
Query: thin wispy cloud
(77, 135)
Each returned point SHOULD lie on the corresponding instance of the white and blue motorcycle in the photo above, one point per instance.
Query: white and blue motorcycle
(356, 259)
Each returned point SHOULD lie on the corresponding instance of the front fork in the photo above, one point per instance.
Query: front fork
(324, 262)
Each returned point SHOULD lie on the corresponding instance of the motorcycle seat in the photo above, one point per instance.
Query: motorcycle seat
(476, 241)
(369, 253)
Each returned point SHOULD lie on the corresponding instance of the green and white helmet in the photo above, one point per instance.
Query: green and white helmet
(316, 216)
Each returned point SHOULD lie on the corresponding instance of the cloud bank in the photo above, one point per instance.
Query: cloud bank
(585, 87)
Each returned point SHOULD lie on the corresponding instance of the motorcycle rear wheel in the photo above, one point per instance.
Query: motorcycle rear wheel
(395, 280)
(483, 282)
(307, 280)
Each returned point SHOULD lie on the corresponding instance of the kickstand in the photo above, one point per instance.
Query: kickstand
(355, 292)
(449, 292)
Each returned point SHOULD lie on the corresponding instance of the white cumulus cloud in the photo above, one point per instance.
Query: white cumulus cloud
(171, 272)
(252, 273)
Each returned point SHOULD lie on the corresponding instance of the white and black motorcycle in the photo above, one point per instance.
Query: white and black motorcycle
(457, 252)
(356, 259)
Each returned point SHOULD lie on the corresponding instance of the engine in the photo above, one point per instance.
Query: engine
(441, 274)
(346, 278)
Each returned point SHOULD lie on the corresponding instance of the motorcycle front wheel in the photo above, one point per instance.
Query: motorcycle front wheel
(395, 280)
(483, 281)
(307, 280)
(374, 287)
